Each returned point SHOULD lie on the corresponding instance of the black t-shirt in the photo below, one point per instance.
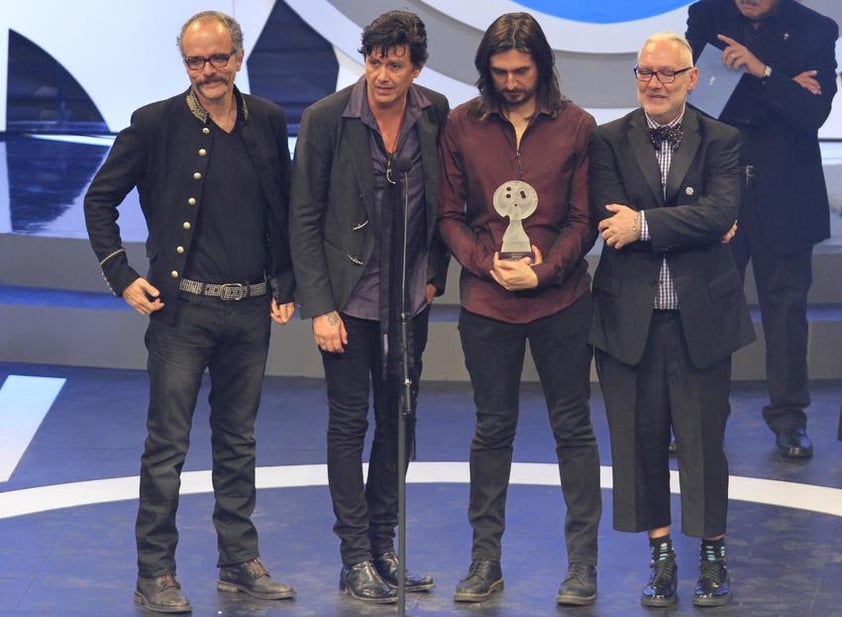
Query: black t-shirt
(230, 241)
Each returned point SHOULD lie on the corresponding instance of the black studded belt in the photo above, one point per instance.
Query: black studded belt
(223, 291)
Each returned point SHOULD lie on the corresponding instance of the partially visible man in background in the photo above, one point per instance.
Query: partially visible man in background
(788, 54)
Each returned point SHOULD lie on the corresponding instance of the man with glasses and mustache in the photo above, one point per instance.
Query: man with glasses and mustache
(212, 168)
(669, 311)
(787, 52)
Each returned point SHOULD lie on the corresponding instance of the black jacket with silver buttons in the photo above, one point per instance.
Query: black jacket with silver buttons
(165, 153)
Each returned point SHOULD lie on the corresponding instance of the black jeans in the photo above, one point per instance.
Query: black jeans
(366, 514)
(494, 354)
(231, 340)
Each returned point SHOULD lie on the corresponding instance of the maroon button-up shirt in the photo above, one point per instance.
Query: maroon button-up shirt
(476, 157)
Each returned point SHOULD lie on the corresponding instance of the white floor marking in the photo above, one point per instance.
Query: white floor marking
(821, 499)
(24, 401)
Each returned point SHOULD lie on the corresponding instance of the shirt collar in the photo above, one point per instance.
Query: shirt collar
(540, 110)
(653, 125)
(770, 17)
(201, 113)
(357, 105)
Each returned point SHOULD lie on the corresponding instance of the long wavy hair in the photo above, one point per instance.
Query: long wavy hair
(521, 32)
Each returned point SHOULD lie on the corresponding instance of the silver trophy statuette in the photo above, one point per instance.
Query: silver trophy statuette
(516, 200)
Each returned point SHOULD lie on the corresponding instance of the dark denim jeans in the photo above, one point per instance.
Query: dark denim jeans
(231, 341)
(494, 354)
(366, 515)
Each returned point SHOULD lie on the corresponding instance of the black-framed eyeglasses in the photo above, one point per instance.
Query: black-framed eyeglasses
(217, 61)
(665, 76)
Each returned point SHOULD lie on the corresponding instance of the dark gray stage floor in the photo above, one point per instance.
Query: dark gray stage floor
(80, 560)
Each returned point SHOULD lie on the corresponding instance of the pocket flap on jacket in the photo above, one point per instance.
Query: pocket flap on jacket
(724, 284)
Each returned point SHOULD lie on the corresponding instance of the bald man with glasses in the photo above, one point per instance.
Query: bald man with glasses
(669, 311)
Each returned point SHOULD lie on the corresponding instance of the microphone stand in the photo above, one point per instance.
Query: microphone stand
(406, 408)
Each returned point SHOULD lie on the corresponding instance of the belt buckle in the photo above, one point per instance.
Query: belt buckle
(232, 291)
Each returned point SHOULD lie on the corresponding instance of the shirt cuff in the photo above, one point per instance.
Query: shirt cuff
(644, 227)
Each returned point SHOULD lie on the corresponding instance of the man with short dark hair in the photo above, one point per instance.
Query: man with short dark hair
(514, 211)
(367, 260)
(669, 311)
(788, 54)
(211, 166)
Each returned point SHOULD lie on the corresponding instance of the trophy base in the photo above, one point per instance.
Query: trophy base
(515, 255)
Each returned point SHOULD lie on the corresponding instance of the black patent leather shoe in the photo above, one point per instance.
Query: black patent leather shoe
(361, 581)
(579, 586)
(483, 579)
(387, 566)
(662, 589)
(714, 585)
(161, 594)
(794, 443)
(252, 578)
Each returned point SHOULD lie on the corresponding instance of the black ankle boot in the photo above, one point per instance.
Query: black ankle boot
(361, 581)
(662, 589)
(713, 588)
(387, 566)
(483, 579)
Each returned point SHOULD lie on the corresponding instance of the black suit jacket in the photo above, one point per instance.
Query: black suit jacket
(779, 120)
(686, 226)
(160, 153)
(333, 201)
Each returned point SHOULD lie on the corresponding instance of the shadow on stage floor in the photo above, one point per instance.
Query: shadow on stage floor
(67, 511)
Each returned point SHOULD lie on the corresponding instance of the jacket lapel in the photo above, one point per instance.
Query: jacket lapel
(683, 157)
(428, 139)
(644, 155)
(360, 151)
(255, 144)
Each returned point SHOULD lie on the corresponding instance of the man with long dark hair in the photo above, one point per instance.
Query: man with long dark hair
(366, 162)
(514, 211)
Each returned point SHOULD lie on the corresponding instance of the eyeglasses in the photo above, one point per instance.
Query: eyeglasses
(665, 76)
(217, 61)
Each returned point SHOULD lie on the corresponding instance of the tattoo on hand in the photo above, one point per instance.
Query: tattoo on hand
(332, 320)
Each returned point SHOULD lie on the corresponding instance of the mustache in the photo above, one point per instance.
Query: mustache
(212, 80)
